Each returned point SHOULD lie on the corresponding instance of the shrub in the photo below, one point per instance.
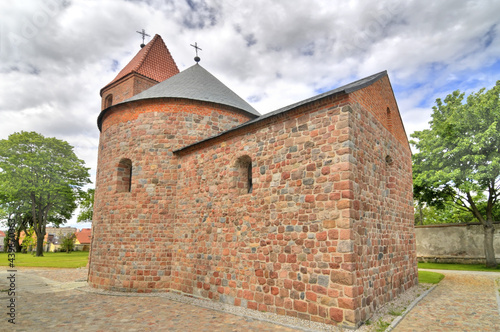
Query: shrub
(68, 242)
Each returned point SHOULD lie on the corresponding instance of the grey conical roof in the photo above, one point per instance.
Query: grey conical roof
(198, 84)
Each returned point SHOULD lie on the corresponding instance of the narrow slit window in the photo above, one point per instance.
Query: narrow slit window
(249, 170)
(130, 178)
(124, 176)
(243, 175)
(389, 119)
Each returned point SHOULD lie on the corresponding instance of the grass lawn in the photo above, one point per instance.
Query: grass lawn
(50, 259)
(460, 267)
(429, 277)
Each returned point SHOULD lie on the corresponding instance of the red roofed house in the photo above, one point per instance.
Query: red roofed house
(83, 239)
(2, 236)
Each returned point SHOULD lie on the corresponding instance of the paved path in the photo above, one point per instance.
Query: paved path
(48, 300)
(48, 305)
(463, 301)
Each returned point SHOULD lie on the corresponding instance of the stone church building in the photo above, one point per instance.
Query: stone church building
(306, 211)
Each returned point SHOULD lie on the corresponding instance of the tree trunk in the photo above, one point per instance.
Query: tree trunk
(489, 250)
(421, 214)
(17, 245)
(39, 245)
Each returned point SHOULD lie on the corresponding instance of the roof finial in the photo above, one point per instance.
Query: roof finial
(143, 33)
(196, 58)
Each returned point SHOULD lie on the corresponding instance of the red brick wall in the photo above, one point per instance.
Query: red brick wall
(126, 88)
(379, 106)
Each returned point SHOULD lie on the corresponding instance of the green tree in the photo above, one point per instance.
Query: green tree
(449, 214)
(6, 241)
(28, 242)
(86, 206)
(19, 213)
(43, 172)
(68, 242)
(458, 158)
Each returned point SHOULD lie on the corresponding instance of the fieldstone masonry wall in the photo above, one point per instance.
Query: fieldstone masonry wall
(381, 223)
(326, 234)
(133, 231)
(275, 248)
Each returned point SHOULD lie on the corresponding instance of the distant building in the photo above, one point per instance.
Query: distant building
(52, 237)
(60, 231)
(83, 239)
(2, 237)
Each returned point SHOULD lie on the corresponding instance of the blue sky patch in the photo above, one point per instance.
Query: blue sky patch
(115, 65)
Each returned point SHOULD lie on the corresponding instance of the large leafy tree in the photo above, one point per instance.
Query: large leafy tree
(458, 158)
(44, 173)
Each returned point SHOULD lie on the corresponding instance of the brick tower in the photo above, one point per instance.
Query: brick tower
(306, 211)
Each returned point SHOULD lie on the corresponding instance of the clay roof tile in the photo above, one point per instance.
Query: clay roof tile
(84, 236)
(153, 61)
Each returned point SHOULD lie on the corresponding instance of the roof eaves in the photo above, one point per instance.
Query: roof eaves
(348, 88)
(123, 78)
(110, 108)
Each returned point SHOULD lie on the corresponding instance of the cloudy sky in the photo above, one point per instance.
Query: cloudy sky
(55, 55)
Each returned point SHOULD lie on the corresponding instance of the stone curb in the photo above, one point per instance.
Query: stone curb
(396, 321)
(497, 292)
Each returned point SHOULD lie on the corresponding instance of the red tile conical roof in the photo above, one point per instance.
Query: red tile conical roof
(153, 61)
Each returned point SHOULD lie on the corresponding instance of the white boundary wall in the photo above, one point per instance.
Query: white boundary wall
(454, 243)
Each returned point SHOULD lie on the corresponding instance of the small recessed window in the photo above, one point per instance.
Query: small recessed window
(243, 175)
(124, 175)
(109, 101)
(389, 119)
(388, 160)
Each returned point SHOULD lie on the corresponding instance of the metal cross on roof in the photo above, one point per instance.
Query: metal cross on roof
(144, 34)
(196, 58)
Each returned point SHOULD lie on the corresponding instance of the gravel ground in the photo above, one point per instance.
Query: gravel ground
(386, 314)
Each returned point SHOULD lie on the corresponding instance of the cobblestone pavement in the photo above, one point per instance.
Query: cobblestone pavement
(42, 304)
(47, 300)
(463, 301)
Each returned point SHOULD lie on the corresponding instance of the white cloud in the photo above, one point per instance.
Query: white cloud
(55, 56)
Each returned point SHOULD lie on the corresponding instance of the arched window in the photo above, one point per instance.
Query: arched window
(243, 175)
(109, 101)
(389, 119)
(124, 175)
